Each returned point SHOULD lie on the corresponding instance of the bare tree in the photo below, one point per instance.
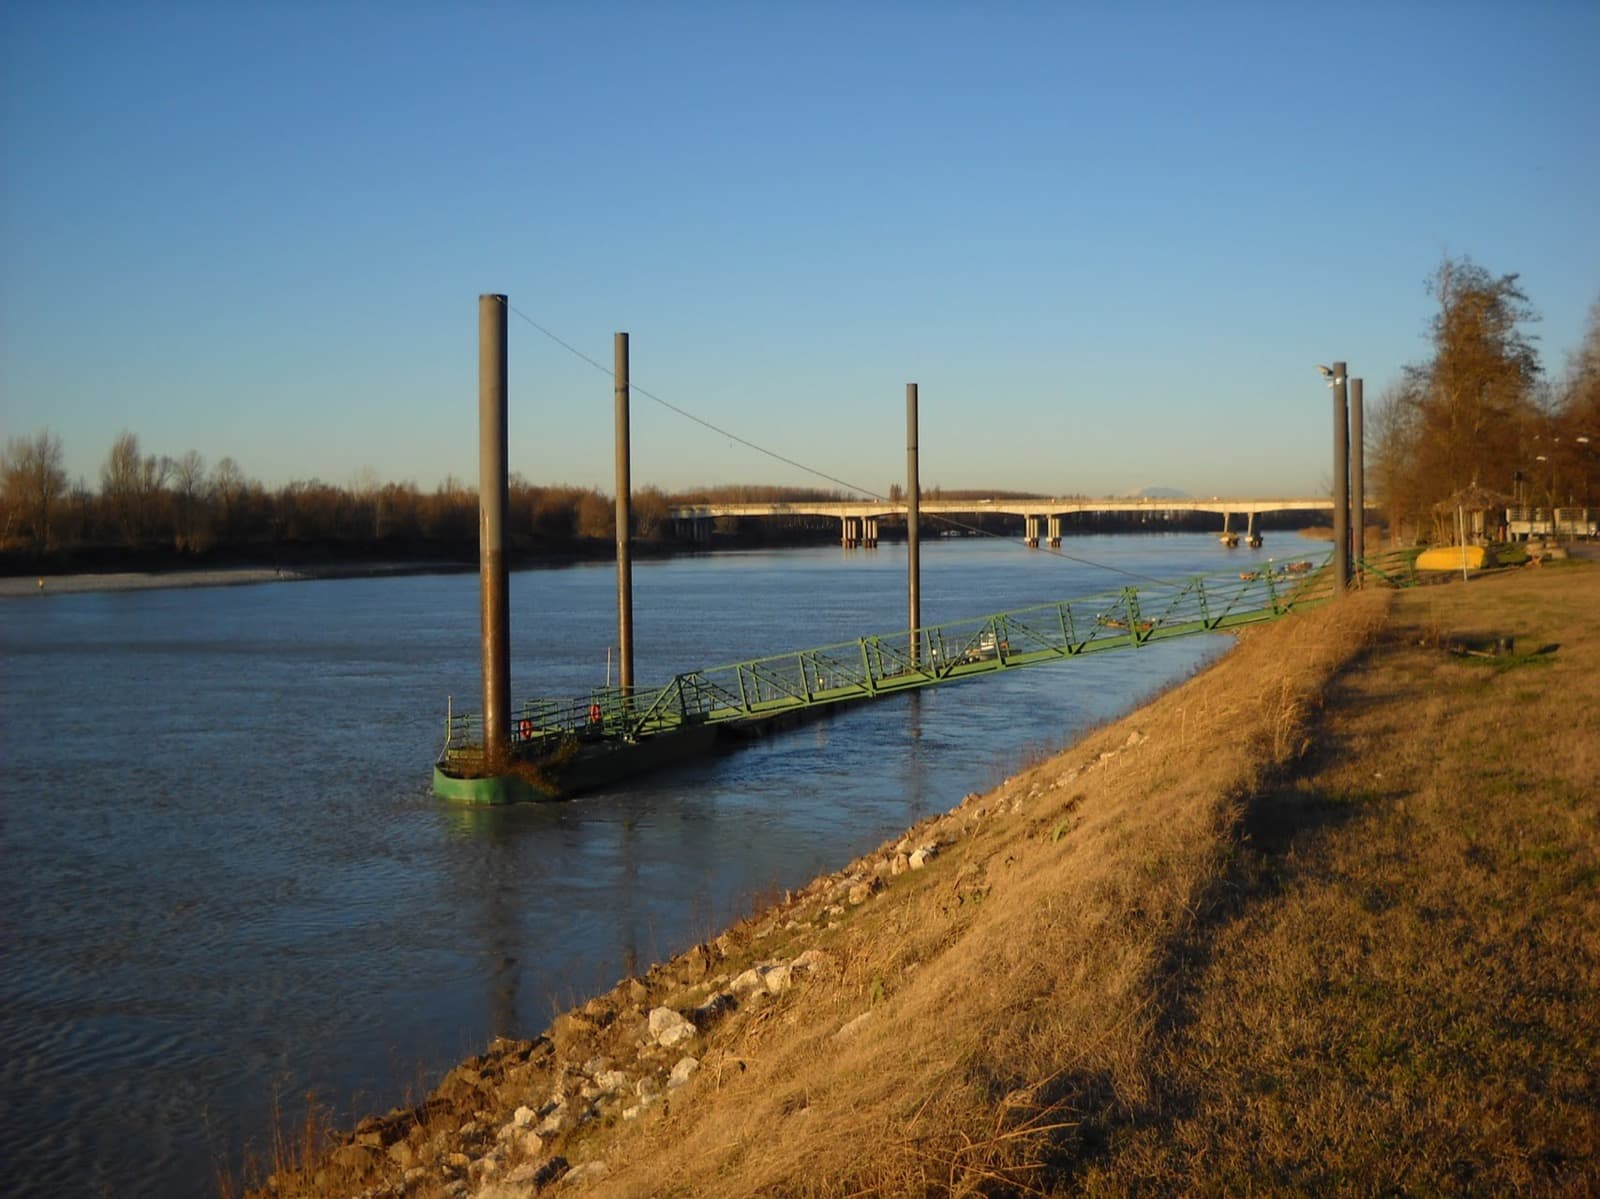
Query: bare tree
(1391, 433)
(228, 489)
(33, 485)
(132, 487)
(189, 487)
(1577, 414)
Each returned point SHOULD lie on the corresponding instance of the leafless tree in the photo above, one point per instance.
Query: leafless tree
(32, 488)
(189, 487)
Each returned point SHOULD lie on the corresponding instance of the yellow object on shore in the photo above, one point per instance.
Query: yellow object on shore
(1455, 557)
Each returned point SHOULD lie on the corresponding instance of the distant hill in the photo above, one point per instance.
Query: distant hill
(1159, 493)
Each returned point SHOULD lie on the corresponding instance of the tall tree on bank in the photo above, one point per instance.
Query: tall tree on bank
(1461, 419)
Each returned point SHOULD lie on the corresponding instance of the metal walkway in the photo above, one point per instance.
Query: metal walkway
(903, 661)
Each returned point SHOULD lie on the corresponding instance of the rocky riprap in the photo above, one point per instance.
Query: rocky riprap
(515, 1121)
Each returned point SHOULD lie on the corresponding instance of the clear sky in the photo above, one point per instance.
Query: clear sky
(1109, 241)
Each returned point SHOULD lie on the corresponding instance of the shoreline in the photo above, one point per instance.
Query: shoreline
(949, 1008)
(21, 586)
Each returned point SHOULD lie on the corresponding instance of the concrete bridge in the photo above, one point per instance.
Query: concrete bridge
(858, 519)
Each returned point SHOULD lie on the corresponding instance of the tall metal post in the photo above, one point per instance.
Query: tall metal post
(1341, 481)
(913, 516)
(619, 346)
(1358, 488)
(493, 500)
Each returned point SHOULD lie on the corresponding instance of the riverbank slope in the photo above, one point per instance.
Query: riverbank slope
(1322, 918)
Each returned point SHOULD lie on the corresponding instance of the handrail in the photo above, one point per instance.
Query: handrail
(881, 663)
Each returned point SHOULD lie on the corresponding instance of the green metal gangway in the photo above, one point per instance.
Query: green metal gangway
(886, 663)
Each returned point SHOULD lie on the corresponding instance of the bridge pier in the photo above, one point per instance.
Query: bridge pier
(869, 532)
(1252, 538)
(1228, 538)
(1030, 531)
(696, 530)
(1055, 530)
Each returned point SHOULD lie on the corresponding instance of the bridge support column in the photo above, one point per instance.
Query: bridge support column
(1252, 538)
(1030, 531)
(1229, 538)
(870, 533)
(1055, 530)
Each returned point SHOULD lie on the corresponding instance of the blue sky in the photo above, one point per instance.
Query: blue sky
(1109, 242)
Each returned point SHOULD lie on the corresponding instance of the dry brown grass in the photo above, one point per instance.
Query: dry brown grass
(1016, 994)
(1402, 994)
(1320, 920)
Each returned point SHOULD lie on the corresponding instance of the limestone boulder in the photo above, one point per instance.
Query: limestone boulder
(668, 1028)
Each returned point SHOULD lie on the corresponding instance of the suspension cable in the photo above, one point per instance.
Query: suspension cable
(821, 474)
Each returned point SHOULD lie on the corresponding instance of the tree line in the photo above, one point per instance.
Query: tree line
(172, 509)
(1480, 424)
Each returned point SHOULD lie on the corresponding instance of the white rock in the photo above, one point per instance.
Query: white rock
(682, 1072)
(532, 1144)
(778, 979)
(811, 959)
(557, 1121)
(922, 856)
(523, 1116)
(748, 982)
(899, 864)
(668, 1028)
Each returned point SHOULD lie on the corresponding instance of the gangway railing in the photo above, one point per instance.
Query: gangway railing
(910, 659)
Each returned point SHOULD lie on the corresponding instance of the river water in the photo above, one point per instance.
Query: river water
(225, 883)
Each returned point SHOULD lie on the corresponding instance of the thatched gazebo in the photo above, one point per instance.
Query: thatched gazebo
(1470, 516)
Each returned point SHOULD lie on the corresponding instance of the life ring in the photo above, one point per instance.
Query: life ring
(525, 729)
(594, 713)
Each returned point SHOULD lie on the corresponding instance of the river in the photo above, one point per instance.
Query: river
(226, 883)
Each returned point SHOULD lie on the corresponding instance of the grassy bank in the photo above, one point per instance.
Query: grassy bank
(1322, 919)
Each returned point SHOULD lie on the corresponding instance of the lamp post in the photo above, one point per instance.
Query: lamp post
(1586, 456)
(1549, 489)
(1336, 377)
